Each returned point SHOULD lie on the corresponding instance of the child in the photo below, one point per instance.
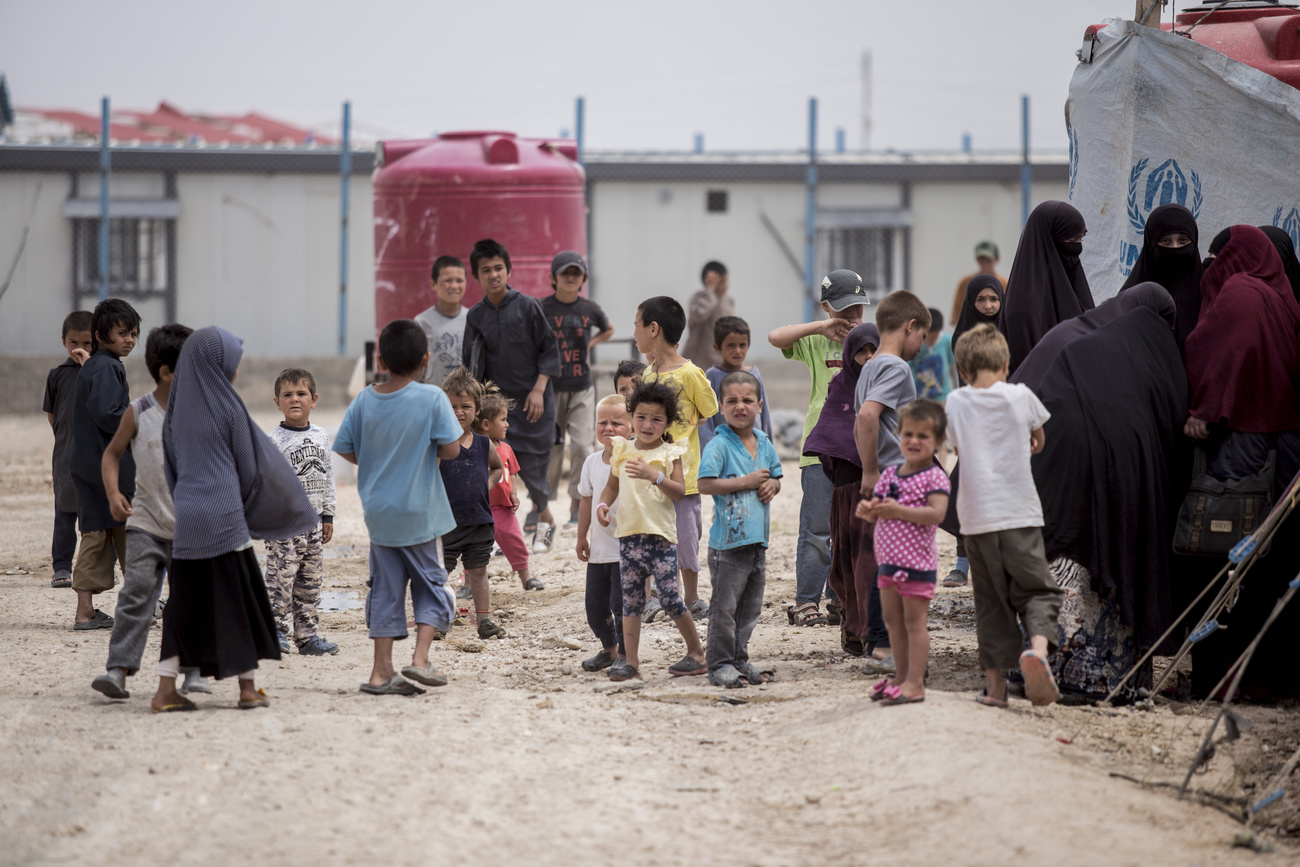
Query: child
(819, 345)
(100, 397)
(59, 388)
(707, 306)
(508, 342)
(469, 477)
(229, 485)
(627, 377)
(907, 506)
(444, 322)
(493, 423)
(295, 568)
(659, 324)
(150, 518)
(572, 318)
(645, 477)
(996, 427)
(731, 341)
(884, 385)
(933, 368)
(831, 442)
(396, 432)
(604, 595)
(741, 471)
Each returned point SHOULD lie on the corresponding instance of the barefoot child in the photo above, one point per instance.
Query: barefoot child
(741, 471)
(295, 568)
(493, 422)
(996, 427)
(604, 596)
(907, 506)
(396, 432)
(59, 388)
(646, 478)
(230, 485)
(150, 518)
(659, 325)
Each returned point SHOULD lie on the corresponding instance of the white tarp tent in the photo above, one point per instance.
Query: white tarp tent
(1155, 118)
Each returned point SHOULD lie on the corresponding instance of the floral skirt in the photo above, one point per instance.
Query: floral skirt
(1095, 649)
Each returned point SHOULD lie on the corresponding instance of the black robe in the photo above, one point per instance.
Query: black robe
(1178, 269)
(1112, 473)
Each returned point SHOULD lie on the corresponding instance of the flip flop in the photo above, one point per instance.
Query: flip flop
(751, 673)
(394, 686)
(878, 689)
(429, 676)
(893, 695)
(183, 704)
(99, 621)
(1040, 686)
(989, 701)
(262, 700)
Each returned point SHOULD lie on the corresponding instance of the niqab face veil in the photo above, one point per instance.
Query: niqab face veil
(1178, 269)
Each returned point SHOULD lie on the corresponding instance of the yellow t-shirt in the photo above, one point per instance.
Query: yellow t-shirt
(642, 507)
(696, 400)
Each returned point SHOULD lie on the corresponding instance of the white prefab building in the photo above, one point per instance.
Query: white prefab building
(902, 222)
(243, 237)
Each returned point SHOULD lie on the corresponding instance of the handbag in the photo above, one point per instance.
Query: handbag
(1216, 515)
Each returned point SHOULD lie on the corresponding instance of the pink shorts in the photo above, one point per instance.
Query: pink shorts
(510, 537)
(905, 584)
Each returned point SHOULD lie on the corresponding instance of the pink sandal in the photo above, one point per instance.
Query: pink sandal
(878, 690)
(893, 695)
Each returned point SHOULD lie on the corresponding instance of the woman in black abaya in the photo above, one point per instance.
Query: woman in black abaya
(1047, 285)
(1170, 257)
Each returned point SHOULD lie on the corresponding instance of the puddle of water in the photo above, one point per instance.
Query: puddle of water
(341, 600)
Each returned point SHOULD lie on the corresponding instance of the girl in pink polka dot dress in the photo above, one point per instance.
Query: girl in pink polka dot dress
(908, 505)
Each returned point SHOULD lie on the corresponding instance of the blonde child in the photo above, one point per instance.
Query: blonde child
(646, 478)
(493, 423)
(907, 505)
(604, 598)
(659, 325)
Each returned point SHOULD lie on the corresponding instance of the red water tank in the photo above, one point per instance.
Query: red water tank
(436, 197)
(1258, 33)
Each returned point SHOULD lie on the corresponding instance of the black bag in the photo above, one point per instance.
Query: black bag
(1216, 515)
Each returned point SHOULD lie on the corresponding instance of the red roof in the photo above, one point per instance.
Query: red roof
(168, 123)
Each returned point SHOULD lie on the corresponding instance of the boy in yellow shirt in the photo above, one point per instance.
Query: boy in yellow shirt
(660, 322)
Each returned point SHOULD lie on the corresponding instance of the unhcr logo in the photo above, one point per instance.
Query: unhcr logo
(1290, 224)
(1166, 184)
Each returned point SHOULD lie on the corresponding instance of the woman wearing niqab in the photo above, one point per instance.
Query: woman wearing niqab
(1178, 269)
(1047, 285)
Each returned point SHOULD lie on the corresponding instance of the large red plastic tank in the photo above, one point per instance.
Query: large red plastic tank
(436, 197)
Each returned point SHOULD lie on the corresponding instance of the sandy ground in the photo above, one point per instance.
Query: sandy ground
(526, 758)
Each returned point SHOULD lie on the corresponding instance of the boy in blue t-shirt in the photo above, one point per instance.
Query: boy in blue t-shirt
(395, 433)
(740, 469)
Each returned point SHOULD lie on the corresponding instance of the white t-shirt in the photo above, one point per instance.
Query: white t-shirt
(446, 334)
(990, 429)
(595, 476)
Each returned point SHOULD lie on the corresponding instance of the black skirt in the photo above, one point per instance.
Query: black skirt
(218, 618)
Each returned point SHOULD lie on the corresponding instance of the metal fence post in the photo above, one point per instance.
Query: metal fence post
(579, 119)
(810, 216)
(345, 179)
(1026, 180)
(105, 166)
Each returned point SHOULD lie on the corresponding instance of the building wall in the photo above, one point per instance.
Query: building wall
(39, 295)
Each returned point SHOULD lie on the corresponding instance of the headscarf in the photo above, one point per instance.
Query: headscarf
(1047, 285)
(1243, 357)
(1216, 244)
(1286, 251)
(1112, 472)
(970, 315)
(229, 481)
(832, 436)
(1178, 269)
(1151, 296)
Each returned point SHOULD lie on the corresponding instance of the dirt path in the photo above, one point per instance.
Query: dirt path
(526, 758)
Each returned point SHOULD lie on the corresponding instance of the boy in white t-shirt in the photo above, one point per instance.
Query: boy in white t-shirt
(996, 427)
(604, 582)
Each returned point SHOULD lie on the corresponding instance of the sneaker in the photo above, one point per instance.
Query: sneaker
(464, 592)
(112, 684)
(285, 646)
(62, 578)
(488, 629)
(317, 646)
(544, 537)
(955, 578)
(195, 682)
(601, 660)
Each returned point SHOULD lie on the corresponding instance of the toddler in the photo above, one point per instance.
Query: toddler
(646, 477)
(907, 505)
(493, 422)
(58, 406)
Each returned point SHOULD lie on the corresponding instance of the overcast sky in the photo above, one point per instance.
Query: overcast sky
(653, 73)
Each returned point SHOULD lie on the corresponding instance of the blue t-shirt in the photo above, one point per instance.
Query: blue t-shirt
(466, 478)
(715, 375)
(739, 518)
(395, 438)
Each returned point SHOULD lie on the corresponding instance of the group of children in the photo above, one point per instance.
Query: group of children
(170, 484)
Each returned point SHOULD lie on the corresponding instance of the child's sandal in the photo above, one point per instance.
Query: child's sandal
(878, 690)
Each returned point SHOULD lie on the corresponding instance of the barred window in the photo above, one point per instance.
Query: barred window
(715, 201)
(139, 252)
(869, 251)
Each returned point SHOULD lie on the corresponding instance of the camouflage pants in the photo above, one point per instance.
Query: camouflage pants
(295, 569)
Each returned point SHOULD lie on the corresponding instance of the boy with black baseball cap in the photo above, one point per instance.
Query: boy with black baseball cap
(819, 345)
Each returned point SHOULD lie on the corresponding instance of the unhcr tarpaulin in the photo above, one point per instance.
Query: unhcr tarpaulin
(1155, 118)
